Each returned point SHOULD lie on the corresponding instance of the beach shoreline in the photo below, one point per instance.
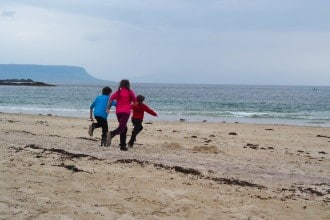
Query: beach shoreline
(51, 168)
(300, 105)
(191, 119)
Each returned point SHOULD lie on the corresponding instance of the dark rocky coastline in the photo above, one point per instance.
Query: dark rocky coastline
(22, 82)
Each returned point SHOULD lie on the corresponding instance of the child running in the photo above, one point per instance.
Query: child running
(137, 118)
(124, 97)
(99, 106)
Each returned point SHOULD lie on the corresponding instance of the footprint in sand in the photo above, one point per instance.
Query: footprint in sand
(206, 149)
(172, 145)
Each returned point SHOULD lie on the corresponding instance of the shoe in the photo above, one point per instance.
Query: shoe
(129, 145)
(90, 130)
(103, 140)
(123, 148)
(108, 139)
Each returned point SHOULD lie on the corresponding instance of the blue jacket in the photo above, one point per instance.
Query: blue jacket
(100, 105)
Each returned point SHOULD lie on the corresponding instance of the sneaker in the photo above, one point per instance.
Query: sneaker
(108, 140)
(90, 130)
(123, 148)
(103, 140)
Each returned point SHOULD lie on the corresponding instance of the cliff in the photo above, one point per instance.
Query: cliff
(47, 73)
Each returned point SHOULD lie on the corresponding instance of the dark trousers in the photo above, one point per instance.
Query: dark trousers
(101, 122)
(137, 123)
(122, 127)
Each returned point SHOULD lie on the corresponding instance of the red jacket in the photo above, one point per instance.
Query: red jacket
(139, 109)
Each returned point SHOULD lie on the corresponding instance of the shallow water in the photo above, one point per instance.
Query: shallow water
(297, 105)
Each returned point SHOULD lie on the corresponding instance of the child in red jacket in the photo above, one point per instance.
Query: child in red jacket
(137, 118)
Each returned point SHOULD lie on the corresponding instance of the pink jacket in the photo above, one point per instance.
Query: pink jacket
(124, 98)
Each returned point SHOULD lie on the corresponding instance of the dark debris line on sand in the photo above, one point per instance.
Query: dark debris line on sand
(188, 171)
(61, 151)
(71, 167)
(324, 136)
(194, 172)
(67, 154)
(319, 190)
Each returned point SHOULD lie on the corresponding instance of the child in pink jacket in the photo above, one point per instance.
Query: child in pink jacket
(124, 97)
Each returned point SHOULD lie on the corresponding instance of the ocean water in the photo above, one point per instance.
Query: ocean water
(292, 105)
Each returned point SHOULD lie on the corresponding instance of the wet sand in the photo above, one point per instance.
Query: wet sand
(51, 169)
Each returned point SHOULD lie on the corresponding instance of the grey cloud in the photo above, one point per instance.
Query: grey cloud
(217, 41)
(211, 15)
(8, 13)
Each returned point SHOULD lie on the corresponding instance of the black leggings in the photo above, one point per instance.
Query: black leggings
(137, 123)
(101, 122)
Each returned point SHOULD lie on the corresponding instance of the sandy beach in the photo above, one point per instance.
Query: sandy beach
(51, 169)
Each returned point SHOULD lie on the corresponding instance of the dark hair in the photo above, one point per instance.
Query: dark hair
(106, 90)
(124, 84)
(140, 98)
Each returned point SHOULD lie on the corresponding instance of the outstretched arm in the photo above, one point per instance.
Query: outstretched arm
(109, 106)
(91, 114)
(150, 111)
(91, 107)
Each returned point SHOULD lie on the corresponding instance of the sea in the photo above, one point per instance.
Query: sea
(261, 104)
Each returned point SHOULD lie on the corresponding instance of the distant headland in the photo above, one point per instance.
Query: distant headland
(22, 82)
(53, 74)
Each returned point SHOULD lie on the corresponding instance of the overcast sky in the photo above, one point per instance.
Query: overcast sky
(177, 41)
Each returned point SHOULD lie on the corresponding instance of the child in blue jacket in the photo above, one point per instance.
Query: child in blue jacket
(99, 107)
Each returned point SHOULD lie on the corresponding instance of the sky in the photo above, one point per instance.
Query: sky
(270, 42)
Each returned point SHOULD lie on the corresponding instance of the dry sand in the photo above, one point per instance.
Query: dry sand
(51, 169)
